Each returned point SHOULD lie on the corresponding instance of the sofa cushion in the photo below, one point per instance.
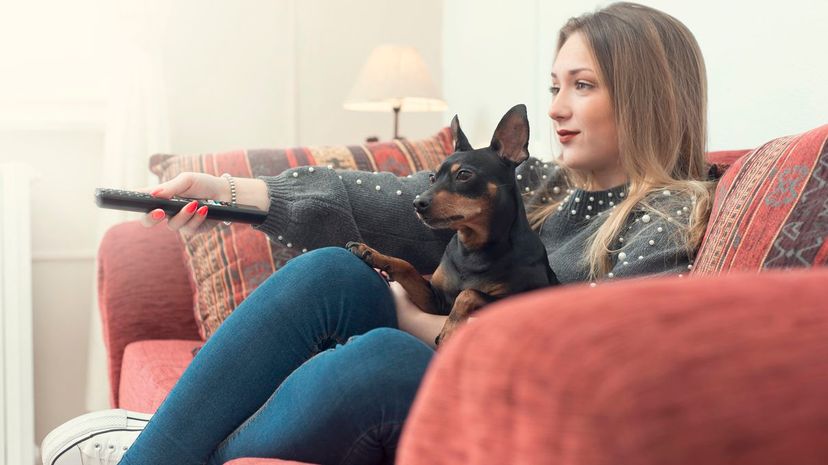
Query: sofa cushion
(150, 369)
(229, 262)
(771, 208)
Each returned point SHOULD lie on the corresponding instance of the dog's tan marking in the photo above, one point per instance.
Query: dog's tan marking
(438, 279)
(417, 287)
(496, 289)
(445, 205)
(466, 303)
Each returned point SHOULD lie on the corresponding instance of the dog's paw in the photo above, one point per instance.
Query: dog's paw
(445, 333)
(362, 251)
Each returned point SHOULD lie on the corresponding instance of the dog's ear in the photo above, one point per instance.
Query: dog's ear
(511, 138)
(461, 144)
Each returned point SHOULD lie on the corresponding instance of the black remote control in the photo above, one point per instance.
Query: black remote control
(140, 202)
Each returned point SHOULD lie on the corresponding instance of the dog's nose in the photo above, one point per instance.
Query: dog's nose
(422, 204)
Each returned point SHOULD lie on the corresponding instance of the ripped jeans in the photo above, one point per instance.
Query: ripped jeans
(309, 367)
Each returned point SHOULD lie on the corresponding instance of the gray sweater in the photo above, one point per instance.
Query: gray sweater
(312, 207)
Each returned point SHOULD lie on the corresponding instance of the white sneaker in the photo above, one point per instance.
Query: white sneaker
(99, 438)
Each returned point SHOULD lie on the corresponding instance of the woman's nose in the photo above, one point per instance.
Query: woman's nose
(559, 109)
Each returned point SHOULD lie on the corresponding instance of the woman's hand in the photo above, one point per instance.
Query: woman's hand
(412, 320)
(249, 191)
(189, 185)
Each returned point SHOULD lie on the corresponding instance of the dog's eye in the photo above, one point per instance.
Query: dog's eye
(463, 175)
(431, 178)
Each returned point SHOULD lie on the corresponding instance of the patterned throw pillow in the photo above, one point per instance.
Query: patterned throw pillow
(229, 262)
(771, 208)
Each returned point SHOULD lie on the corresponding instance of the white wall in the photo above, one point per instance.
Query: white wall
(52, 91)
(765, 64)
(242, 74)
(261, 73)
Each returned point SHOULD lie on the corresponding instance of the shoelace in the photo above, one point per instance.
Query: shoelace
(110, 455)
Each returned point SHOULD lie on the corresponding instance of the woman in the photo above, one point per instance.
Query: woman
(626, 197)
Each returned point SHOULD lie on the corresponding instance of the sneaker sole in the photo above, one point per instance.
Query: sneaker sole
(81, 428)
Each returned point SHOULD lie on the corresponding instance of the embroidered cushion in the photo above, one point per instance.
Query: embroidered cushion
(771, 208)
(229, 262)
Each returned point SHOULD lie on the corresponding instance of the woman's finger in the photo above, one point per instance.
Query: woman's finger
(181, 218)
(152, 218)
(193, 226)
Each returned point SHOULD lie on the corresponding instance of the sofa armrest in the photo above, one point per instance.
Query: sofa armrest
(719, 370)
(143, 291)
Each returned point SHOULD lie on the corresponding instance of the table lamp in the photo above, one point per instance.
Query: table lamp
(394, 78)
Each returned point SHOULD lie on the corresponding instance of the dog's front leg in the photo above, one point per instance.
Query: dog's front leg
(467, 301)
(418, 288)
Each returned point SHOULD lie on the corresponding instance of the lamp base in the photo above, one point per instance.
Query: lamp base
(396, 120)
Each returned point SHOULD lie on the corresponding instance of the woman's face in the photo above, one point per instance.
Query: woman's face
(582, 116)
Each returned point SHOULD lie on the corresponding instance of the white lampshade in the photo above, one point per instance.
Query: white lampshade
(394, 76)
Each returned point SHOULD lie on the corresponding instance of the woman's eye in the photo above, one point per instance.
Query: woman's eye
(432, 179)
(464, 175)
(580, 85)
(554, 90)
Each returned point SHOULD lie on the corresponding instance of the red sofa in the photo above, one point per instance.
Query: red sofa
(717, 369)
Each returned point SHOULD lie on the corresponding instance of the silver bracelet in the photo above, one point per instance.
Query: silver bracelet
(232, 183)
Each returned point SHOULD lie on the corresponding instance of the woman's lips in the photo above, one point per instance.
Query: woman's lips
(566, 136)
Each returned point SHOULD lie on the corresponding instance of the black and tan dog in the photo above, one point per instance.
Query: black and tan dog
(494, 253)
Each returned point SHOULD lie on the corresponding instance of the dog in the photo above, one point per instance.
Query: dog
(494, 253)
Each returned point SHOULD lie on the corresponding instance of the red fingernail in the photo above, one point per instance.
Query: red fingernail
(156, 192)
(202, 211)
(191, 207)
(157, 214)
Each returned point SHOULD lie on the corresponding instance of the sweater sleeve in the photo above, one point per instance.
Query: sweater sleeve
(654, 242)
(313, 207)
(540, 183)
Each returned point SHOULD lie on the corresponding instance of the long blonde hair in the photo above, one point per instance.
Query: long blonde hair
(655, 74)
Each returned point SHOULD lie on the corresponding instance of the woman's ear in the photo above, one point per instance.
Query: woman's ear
(511, 138)
(461, 144)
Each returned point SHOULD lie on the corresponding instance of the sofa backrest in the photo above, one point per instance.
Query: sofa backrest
(228, 262)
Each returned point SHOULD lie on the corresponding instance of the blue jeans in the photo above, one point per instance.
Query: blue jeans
(278, 380)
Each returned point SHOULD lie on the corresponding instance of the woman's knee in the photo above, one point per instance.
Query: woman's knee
(391, 353)
(328, 268)
(331, 264)
(330, 278)
(391, 339)
(382, 367)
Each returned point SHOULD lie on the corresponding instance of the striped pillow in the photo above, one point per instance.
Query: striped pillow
(771, 208)
(229, 262)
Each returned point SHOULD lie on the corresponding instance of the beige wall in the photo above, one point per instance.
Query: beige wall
(246, 74)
